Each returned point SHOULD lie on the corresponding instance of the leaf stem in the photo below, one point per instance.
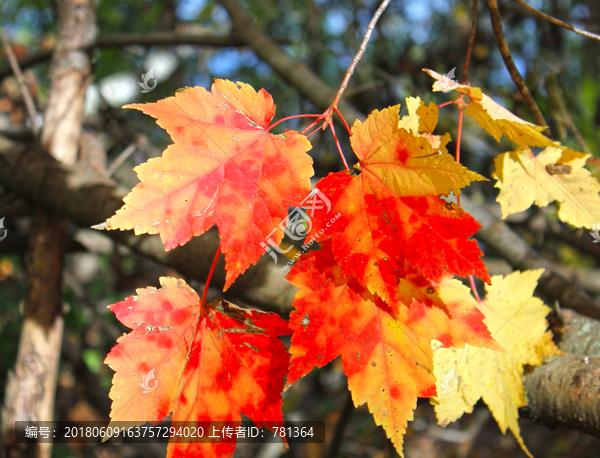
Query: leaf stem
(472, 281)
(344, 120)
(293, 117)
(210, 274)
(459, 132)
(321, 117)
(454, 102)
(461, 106)
(327, 115)
(313, 132)
(338, 145)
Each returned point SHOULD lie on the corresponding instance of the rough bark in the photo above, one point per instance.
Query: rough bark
(31, 388)
(565, 392)
(579, 335)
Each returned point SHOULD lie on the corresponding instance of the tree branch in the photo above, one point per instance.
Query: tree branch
(88, 198)
(294, 72)
(22, 85)
(504, 241)
(140, 39)
(510, 64)
(31, 387)
(471, 41)
(579, 334)
(564, 392)
(558, 22)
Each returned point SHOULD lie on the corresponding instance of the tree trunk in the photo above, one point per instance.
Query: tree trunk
(31, 386)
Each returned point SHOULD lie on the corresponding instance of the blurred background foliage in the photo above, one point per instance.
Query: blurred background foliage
(561, 70)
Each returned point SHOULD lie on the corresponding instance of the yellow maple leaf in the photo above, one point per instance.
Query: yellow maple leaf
(411, 121)
(404, 163)
(491, 116)
(517, 322)
(556, 174)
(421, 120)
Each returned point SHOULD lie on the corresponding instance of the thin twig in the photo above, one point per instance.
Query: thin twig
(119, 160)
(510, 64)
(361, 51)
(340, 426)
(471, 41)
(22, 85)
(556, 97)
(558, 22)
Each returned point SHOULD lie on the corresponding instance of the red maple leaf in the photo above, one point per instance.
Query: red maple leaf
(224, 168)
(210, 362)
(386, 352)
(392, 212)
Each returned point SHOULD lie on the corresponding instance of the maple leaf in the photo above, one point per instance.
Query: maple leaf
(491, 116)
(210, 362)
(517, 322)
(224, 168)
(392, 212)
(421, 120)
(386, 354)
(556, 174)
(402, 163)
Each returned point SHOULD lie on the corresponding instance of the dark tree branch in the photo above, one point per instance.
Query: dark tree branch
(579, 334)
(140, 39)
(558, 22)
(88, 198)
(510, 64)
(471, 41)
(340, 427)
(564, 392)
(508, 245)
(579, 239)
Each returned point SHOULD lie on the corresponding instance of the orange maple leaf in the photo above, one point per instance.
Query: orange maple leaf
(210, 362)
(386, 352)
(224, 168)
